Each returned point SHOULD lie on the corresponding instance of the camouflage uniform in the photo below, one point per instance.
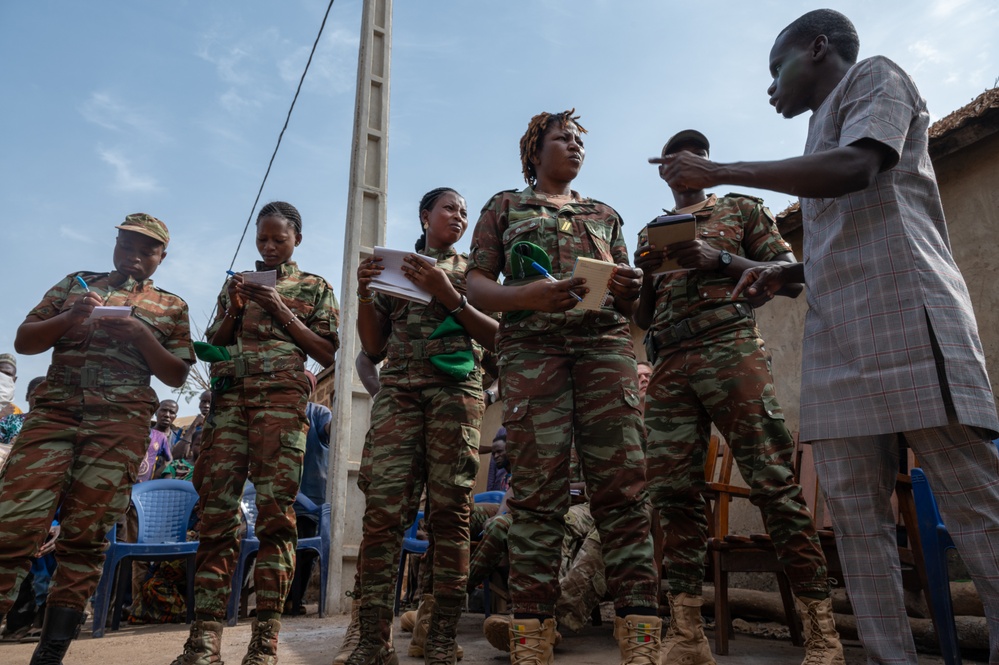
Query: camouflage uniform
(424, 428)
(82, 444)
(581, 579)
(568, 376)
(721, 374)
(257, 429)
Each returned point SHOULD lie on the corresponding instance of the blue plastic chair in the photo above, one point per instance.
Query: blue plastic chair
(936, 542)
(248, 547)
(164, 510)
(251, 544)
(495, 496)
(410, 545)
(319, 544)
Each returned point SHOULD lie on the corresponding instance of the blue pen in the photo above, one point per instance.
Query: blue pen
(79, 280)
(537, 266)
(230, 273)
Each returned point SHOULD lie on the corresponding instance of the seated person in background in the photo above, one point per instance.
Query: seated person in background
(499, 465)
(159, 440)
(313, 486)
(10, 426)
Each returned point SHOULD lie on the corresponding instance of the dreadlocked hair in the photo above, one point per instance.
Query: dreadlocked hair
(530, 142)
(284, 210)
(427, 203)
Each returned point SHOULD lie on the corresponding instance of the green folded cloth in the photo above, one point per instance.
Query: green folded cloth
(458, 364)
(211, 353)
(522, 254)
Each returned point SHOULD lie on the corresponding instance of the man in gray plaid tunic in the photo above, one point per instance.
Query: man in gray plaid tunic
(891, 344)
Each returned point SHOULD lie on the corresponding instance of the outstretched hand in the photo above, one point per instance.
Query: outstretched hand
(761, 282)
(685, 171)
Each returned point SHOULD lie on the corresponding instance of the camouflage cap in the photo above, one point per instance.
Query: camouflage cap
(147, 225)
(9, 358)
(686, 136)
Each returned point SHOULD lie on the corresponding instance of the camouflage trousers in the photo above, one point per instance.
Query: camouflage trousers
(476, 522)
(728, 382)
(83, 462)
(266, 445)
(556, 397)
(418, 436)
(582, 582)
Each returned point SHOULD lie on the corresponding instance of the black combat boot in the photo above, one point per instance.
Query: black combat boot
(61, 625)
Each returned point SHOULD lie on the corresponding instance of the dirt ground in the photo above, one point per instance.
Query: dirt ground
(313, 641)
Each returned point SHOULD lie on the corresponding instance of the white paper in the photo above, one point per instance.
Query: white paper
(110, 312)
(393, 281)
(597, 274)
(261, 278)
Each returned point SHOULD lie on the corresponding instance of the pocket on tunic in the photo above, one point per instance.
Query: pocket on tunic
(601, 235)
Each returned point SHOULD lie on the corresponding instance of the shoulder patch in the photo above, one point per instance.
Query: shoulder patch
(169, 293)
(736, 195)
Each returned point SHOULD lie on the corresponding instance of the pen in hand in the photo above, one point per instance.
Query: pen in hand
(537, 266)
(86, 287)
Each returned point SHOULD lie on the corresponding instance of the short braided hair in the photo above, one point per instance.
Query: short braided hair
(284, 210)
(428, 202)
(837, 28)
(530, 142)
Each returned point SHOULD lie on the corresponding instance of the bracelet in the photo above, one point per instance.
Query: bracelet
(290, 321)
(461, 306)
(365, 300)
(230, 316)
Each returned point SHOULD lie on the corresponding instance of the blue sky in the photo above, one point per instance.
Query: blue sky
(173, 108)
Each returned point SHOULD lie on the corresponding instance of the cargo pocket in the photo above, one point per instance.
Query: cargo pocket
(466, 464)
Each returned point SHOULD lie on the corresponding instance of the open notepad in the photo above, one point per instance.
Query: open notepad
(666, 230)
(393, 282)
(110, 312)
(597, 274)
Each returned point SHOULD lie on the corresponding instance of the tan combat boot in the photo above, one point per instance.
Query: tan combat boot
(822, 645)
(375, 644)
(685, 642)
(203, 646)
(532, 642)
(639, 639)
(352, 636)
(440, 647)
(421, 624)
(263, 643)
(496, 629)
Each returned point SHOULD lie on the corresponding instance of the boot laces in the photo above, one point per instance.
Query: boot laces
(641, 645)
(530, 651)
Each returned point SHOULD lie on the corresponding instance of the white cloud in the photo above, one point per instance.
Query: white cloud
(126, 179)
(334, 65)
(105, 110)
(73, 234)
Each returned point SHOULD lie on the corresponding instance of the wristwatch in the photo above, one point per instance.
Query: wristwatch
(724, 260)
(490, 396)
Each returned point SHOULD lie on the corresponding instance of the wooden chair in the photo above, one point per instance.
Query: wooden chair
(729, 553)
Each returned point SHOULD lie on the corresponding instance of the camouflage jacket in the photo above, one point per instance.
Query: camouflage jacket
(262, 346)
(741, 225)
(407, 363)
(87, 359)
(582, 227)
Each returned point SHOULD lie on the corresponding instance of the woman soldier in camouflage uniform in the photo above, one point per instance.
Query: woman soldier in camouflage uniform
(568, 378)
(256, 428)
(424, 426)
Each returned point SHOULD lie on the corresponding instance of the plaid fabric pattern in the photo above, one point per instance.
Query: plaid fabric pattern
(858, 477)
(880, 275)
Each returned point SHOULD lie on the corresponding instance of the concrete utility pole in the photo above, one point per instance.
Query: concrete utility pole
(365, 228)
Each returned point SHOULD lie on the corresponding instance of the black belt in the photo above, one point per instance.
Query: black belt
(694, 325)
